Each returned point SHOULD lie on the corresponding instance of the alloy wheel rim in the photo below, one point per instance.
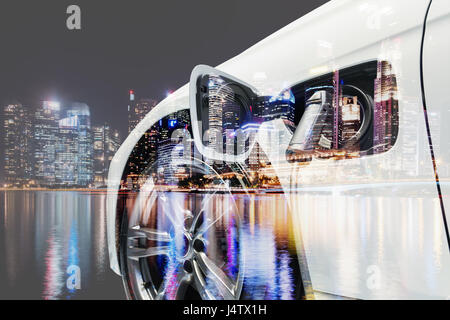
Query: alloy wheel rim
(193, 266)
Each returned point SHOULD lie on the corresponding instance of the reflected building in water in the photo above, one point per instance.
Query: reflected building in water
(47, 232)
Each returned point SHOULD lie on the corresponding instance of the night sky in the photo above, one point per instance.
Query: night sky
(150, 46)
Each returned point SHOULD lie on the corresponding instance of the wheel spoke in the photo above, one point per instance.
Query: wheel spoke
(222, 281)
(183, 280)
(137, 253)
(169, 212)
(149, 233)
(164, 226)
(204, 204)
(149, 204)
(208, 223)
(180, 284)
(200, 284)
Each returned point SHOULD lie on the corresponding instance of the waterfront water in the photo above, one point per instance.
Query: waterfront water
(42, 234)
(347, 242)
(248, 237)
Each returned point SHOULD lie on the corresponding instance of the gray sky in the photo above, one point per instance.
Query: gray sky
(149, 46)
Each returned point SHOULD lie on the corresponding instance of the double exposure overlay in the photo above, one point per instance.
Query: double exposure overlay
(313, 165)
(208, 228)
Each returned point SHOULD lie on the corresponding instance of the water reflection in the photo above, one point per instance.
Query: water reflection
(42, 234)
(399, 240)
(244, 234)
(271, 271)
(354, 237)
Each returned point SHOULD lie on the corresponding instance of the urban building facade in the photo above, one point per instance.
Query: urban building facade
(386, 119)
(106, 142)
(147, 150)
(17, 145)
(138, 109)
(158, 150)
(52, 146)
(74, 150)
(45, 136)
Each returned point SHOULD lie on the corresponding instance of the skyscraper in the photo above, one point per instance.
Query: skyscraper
(351, 121)
(138, 109)
(386, 108)
(46, 130)
(63, 145)
(337, 94)
(220, 96)
(81, 112)
(173, 154)
(106, 142)
(17, 145)
(66, 155)
(145, 153)
(281, 106)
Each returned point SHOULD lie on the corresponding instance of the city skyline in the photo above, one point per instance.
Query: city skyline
(50, 144)
(57, 144)
(43, 61)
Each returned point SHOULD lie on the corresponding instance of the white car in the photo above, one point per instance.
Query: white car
(313, 165)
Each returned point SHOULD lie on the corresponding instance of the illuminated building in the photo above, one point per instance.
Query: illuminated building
(166, 172)
(337, 110)
(138, 109)
(386, 108)
(74, 148)
(145, 153)
(184, 117)
(52, 146)
(131, 110)
(170, 172)
(45, 140)
(66, 153)
(106, 142)
(153, 152)
(282, 107)
(318, 116)
(219, 96)
(17, 145)
(231, 124)
(351, 118)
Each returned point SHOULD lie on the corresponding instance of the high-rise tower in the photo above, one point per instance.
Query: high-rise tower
(46, 130)
(17, 145)
(138, 109)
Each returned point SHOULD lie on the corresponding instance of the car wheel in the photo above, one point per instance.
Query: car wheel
(181, 245)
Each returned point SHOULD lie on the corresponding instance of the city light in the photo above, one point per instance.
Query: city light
(53, 105)
(172, 123)
(285, 95)
(52, 145)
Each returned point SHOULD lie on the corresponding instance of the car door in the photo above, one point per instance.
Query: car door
(371, 223)
(436, 66)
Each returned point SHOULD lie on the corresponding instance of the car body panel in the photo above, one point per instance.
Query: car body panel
(404, 248)
(436, 67)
